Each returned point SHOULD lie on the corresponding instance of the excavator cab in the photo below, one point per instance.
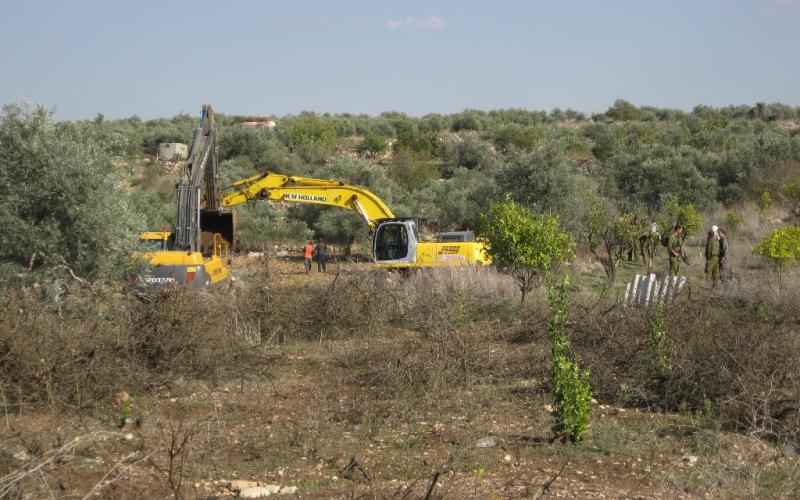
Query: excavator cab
(395, 242)
(156, 241)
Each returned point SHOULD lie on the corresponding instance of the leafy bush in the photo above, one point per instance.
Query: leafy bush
(240, 141)
(781, 246)
(791, 192)
(309, 128)
(655, 174)
(372, 144)
(608, 235)
(570, 385)
(469, 153)
(516, 137)
(544, 180)
(685, 215)
(524, 246)
(259, 225)
(342, 228)
(412, 170)
(62, 200)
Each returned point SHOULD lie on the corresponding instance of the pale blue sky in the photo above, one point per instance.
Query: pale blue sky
(158, 58)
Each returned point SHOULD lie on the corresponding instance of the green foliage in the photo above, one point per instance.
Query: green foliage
(412, 170)
(515, 137)
(470, 153)
(781, 246)
(658, 334)
(342, 228)
(457, 202)
(544, 181)
(791, 192)
(570, 386)
(237, 141)
(605, 144)
(654, 174)
(469, 119)
(424, 144)
(372, 144)
(453, 167)
(622, 110)
(685, 215)
(733, 221)
(608, 234)
(765, 200)
(309, 128)
(367, 175)
(523, 245)
(62, 200)
(236, 169)
(259, 225)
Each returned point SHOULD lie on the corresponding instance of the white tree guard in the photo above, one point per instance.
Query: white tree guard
(647, 290)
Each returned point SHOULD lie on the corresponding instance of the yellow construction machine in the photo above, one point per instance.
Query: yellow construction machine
(196, 254)
(396, 241)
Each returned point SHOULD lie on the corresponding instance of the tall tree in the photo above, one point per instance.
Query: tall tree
(63, 202)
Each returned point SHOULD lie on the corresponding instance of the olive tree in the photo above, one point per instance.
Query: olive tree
(544, 180)
(523, 245)
(63, 202)
(607, 235)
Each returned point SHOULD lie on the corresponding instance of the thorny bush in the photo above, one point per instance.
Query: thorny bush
(81, 348)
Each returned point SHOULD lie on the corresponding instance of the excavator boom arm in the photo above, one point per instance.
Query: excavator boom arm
(278, 187)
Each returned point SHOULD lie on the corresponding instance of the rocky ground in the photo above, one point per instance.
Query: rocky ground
(314, 427)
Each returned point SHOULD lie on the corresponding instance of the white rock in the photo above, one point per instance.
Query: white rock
(240, 484)
(507, 458)
(486, 442)
(288, 490)
(690, 458)
(255, 492)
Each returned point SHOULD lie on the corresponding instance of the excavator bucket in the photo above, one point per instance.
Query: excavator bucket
(222, 222)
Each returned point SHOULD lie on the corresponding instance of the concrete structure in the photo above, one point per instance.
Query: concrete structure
(171, 151)
(647, 290)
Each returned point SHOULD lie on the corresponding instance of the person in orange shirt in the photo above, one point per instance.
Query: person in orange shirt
(308, 254)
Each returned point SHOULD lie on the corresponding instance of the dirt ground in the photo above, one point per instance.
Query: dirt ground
(306, 425)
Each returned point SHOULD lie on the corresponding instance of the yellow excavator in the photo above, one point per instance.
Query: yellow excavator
(395, 242)
(197, 253)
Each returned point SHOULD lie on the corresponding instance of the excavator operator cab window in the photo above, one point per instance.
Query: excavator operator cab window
(156, 245)
(391, 242)
(151, 245)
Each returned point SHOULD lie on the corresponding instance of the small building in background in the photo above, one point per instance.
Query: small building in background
(268, 124)
(172, 151)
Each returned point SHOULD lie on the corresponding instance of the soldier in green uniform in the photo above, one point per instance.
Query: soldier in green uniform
(649, 242)
(675, 249)
(712, 255)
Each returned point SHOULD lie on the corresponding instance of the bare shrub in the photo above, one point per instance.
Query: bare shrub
(447, 298)
(82, 348)
(58, 352)
(738, 359)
